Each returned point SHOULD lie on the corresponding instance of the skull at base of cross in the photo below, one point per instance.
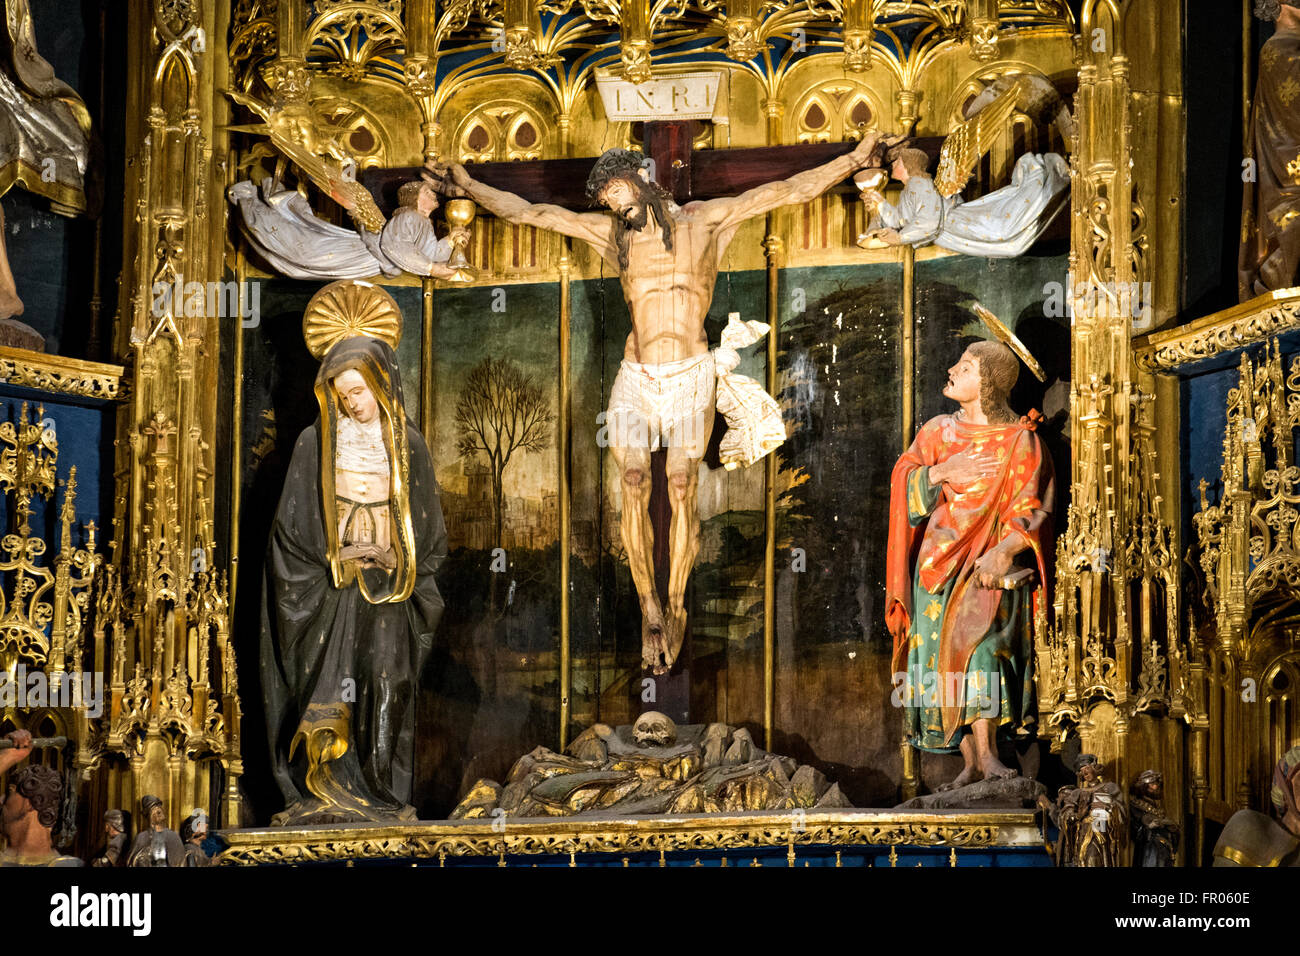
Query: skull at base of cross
(653, 729)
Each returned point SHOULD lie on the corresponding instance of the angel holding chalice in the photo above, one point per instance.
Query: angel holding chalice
(1001, 224)
(288, 236)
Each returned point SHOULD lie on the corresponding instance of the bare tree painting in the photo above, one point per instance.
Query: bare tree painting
(502, 410)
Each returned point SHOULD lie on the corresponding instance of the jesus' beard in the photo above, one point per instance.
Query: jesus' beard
(650, 198)
(637, 222)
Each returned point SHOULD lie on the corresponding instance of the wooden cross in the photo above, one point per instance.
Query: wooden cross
(686, 173)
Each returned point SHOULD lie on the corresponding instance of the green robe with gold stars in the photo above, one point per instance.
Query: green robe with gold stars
(963, 652)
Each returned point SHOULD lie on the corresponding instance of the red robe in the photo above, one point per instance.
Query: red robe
(967, 522)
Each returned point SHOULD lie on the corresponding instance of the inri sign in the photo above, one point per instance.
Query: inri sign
(680, 97)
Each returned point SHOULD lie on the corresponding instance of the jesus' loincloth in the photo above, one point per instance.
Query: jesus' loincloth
(671, 404)
(665, 405)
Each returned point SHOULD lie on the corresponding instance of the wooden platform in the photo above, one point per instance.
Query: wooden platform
(609, 840)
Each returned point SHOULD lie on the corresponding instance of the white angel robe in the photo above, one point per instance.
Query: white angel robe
(281, 226)
(1000, 225)
(409, 241)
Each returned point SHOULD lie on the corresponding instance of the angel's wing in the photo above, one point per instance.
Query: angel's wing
(251, 104)
(971, 140)
(329, 175)
(336, 181)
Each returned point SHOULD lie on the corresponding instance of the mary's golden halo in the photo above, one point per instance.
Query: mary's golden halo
(347, 308)
(1008, 338)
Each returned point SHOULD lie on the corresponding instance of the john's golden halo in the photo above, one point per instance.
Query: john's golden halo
(1008, 338)
(346, 308)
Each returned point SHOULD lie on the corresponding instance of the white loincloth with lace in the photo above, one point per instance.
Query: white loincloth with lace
(671, 404)
(754, 423)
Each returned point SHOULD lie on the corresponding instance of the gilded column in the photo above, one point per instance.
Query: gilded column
(564, 463)
(172, 302)
(773, 248)
(420, 65)
(1115, 649)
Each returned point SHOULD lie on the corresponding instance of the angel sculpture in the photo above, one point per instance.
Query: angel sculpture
(1001, 224)
(280, 224)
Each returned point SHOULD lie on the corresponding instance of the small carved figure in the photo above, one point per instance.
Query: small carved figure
(1001, 224)
(44, 134)
(1155, 836)
(31, 809)
(194, 830)
(115, 840)
(409, 240)
(290, 238)
(1270, 204)
(155, 845)
(281, 226)
(1251, 838)
(314, 148)
(1091, 817)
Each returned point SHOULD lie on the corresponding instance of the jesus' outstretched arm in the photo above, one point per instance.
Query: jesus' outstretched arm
(591, 227)
(799, 188)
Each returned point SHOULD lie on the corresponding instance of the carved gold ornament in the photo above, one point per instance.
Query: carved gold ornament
(57, 373)
(316, 150)
(471, 838)
(1250, 562)
(346, 308)
(1249, 323)
(42, 601)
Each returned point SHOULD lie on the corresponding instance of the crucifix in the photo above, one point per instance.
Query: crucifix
(666, 240)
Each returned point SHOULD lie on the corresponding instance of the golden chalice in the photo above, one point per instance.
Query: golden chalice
(871, 183)
(460, 213)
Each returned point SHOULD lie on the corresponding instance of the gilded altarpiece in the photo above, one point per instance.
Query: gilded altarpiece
(851, 325)
(786, 596)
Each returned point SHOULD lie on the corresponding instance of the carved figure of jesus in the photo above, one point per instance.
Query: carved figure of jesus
(667, 258)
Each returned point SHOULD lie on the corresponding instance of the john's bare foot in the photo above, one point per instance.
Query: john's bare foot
(994, 769)
(967, 776)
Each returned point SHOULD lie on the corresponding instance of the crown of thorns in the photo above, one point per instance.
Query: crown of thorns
(614, 164)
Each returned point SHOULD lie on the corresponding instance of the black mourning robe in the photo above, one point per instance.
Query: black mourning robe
(334, 649)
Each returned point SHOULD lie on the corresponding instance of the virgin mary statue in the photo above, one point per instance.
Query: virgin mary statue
(351, 604)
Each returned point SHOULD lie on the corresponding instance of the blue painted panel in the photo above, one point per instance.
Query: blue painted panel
(85, 438)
